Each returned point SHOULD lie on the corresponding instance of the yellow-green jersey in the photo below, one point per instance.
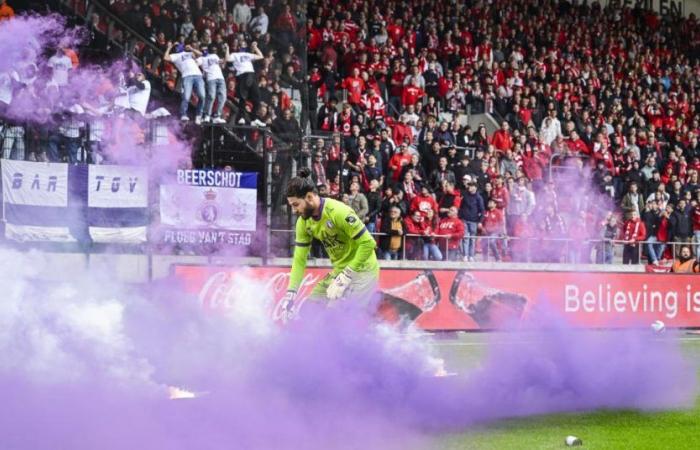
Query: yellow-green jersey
(343, 235)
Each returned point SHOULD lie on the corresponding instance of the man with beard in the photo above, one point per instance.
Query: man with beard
(344, 236)
(685, 263)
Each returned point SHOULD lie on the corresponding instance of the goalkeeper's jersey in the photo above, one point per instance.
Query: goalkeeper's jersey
(343, 235)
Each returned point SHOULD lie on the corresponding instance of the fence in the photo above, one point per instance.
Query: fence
(514, 249)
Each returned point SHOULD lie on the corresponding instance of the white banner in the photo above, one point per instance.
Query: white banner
(208, 207)
(117, 187)
(34, 184)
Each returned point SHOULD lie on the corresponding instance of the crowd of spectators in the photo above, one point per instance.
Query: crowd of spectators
(251, 53)
(598, 113)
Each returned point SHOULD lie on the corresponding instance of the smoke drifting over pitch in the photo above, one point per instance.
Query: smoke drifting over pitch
(87, 362)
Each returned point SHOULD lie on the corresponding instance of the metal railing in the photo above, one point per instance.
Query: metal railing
(524, 249)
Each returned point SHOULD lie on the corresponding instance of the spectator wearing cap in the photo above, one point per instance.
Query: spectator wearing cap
(471, 211)
(192, 79)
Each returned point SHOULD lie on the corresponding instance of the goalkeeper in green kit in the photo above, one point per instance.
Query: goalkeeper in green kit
(350, 247)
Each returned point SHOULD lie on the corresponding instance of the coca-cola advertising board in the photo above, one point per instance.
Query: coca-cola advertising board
(473, 300)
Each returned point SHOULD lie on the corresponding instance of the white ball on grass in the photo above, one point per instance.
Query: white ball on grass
(658, 326)
(573, 441)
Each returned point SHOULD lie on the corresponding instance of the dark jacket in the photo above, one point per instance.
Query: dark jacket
(385, 240)
(472, 207)
(682, 225)
(651, 221)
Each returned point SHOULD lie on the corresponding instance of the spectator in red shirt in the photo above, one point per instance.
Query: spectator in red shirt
(633, 232)
(398, 161)
(500, 194)
(412, 93)
(355, 86)
(493, 227)
(502, 138)
(423, 202)
(452, 228)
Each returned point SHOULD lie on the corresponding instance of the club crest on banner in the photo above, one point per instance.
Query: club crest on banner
(209, 209)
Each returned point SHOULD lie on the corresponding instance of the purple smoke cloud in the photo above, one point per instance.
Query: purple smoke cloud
(87, 364)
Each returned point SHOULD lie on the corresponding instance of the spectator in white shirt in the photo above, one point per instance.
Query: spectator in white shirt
(216, 84)
(139, 92)
(191, 79)
(260, 22)
(246, 82)
(60, 65)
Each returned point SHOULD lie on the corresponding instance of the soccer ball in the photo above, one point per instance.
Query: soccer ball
(658, 326)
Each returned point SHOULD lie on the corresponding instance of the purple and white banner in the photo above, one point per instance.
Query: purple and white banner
(209, 207)
(59, 202)
(36, 201)
(117, 204)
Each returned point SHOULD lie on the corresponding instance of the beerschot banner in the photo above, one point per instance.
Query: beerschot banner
(209, 207)
(474, 300)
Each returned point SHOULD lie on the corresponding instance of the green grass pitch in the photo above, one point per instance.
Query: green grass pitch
(599, 430)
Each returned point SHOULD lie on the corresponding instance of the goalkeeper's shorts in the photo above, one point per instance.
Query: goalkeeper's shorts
(362, 287)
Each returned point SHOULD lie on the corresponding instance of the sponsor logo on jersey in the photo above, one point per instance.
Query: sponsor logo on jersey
(350, 219)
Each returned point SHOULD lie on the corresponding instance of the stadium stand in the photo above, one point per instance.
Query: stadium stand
(597, 143)
(594, 152)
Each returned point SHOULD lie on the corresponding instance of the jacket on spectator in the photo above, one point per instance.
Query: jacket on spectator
(360, 205)
(393, 234)
(500, 196)
(472, 207)
(651, 220)
(453, 228)
(633, 230)
(494, 223)
(423, 203)
(682, 226)
(632, 202)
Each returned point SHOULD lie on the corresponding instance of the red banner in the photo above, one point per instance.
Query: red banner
(471, 300)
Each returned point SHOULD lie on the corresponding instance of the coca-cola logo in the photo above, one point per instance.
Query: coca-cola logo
(220, 291)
